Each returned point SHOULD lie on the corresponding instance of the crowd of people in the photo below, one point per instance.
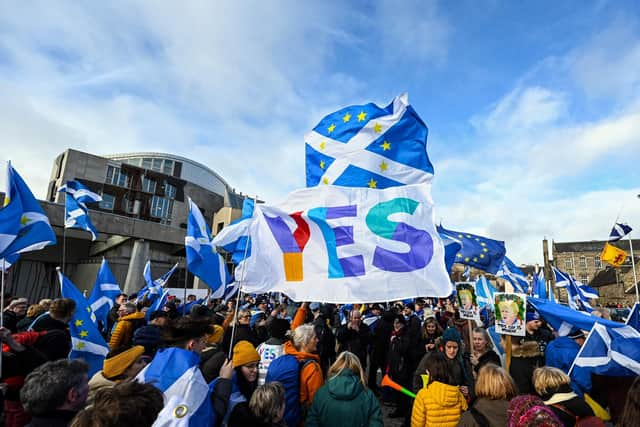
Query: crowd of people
(263, 361)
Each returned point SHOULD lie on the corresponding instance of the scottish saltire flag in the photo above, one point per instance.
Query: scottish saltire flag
(6, 263)
(369, 146)
(579, 294)
(202, 259)
(23, 225)
(467, 272)
(77, 216)
(634, 317)
(234, 238)
(510, 272)
(230, 291)
(451, 248)
(345, 244)
(485, 292)
(563, 318)
(158, 304)
(105, 291)
(86, 341)
(610, 351)
(176, 373)
(477, 251)
(154, 287)
(618, 231)
(80, 193)
(539, 286)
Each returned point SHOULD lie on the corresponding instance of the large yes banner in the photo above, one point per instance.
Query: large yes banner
(343, 244)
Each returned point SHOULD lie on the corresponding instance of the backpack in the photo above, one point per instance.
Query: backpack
(588, 421)
(286, 370)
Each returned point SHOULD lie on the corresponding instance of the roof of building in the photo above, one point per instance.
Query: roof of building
(591, 246)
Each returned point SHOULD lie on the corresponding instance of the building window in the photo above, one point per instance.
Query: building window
(161, 207)
(148, 185)
(168, 167)
(597, 262)
(116, 177)
(584, 278)
(107, 201)
(146, 163)
(157, 165)
(169, 190)
(568, 264)
(583, 262)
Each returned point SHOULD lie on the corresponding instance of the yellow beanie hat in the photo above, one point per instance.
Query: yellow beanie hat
(216, 336)
(243, 353)
(119, 363)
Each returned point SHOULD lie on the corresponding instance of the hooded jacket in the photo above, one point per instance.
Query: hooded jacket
(310, 375)
(123, 332)
(343, 401)
(438, 405)
(495, 411)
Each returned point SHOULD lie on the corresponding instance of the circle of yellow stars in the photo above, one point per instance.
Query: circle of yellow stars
(475, 258)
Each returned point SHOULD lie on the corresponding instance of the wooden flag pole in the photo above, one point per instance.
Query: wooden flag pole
(507, 353)
(470, 335)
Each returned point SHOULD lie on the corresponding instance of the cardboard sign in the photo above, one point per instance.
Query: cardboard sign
(510, 313)
(467, 301)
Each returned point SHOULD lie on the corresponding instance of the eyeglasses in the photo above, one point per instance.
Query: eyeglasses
(251, 366)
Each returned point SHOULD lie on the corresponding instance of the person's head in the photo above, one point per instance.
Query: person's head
(548, 381)
(527, 410)
(278, 328)
(355, 317)
(305, 339)
(45, 303)
(126, 309)
(18, 306)
(149, 337)
(262, 303)
(244, 317)
(268, 402)
(118, 406)
(431, 328)
(466, 297)
(62, 309)
(376, 309)
(59, 385)
(409, 309)
(124, 363)
(187, 333)
(347, 360)
(399, 322)
(508, 310)
(495, 383)
(481, 341)
(159, 318)
(191, 298)
(533, 321)
(245, 360)
(35, 310)
(602, 312)
(451, 341)
(121, 299)
(631, 413)
(438, 369)
(577, 335)
(315, 309)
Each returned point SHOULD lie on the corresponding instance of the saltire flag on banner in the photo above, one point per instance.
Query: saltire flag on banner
(86, 341)
(341, 244)
(613, 255)
(539, 286)
(202, 259)
(158, 304)
(451, 248)
(510, 272)
(154, 287)
(234, 238)
(76, 213)
(618, 231)
(104, 293)
(633, 319)
(24, 227)
(176, 373)
(562, 318)
(610, 351)
(369, 146)
(485, 292)
(480, 252)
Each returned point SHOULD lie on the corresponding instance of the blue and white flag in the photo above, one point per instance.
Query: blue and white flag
(467, 272)
(563, 318)
(369, 146)
(230, 291)
(610, 351)
(579, 293)
(452, 247)
(6, 263)
(80, 193)
(234, 238)
(86, 341)
(618, 231)
(480, 252)
(158, 304)
(485, 292)
(176, 373)
(202, 259)
(77, 216)
(24, 227)
(539, 286)
(105, 291)
(510, 272)
(154, 287)
(633, 319)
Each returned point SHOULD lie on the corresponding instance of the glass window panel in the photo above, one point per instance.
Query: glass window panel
(168, 167)
(169, 190)
(107, 201)
(157, 165)
(597, 262)
(146, 163)
(568, 263)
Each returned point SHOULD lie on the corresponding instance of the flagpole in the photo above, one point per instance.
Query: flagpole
(633, 264)
(186, 278)
(64, 243)
(2, 305)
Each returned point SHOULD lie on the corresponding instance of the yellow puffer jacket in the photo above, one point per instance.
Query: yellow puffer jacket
(438, 405)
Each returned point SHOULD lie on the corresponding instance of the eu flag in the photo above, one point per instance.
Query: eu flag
(369, 146)
(477, 251)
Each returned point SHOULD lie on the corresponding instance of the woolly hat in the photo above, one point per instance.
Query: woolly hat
(147, 336)
(532, 315)
(243, 353)
(314, 306)
(119, 363)
(17, 301)
(451, 334)
(527, 408)
(216, 336)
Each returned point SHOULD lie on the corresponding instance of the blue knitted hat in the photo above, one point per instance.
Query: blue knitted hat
(451, 334)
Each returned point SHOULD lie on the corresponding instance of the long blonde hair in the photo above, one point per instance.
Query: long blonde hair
(347, 360)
